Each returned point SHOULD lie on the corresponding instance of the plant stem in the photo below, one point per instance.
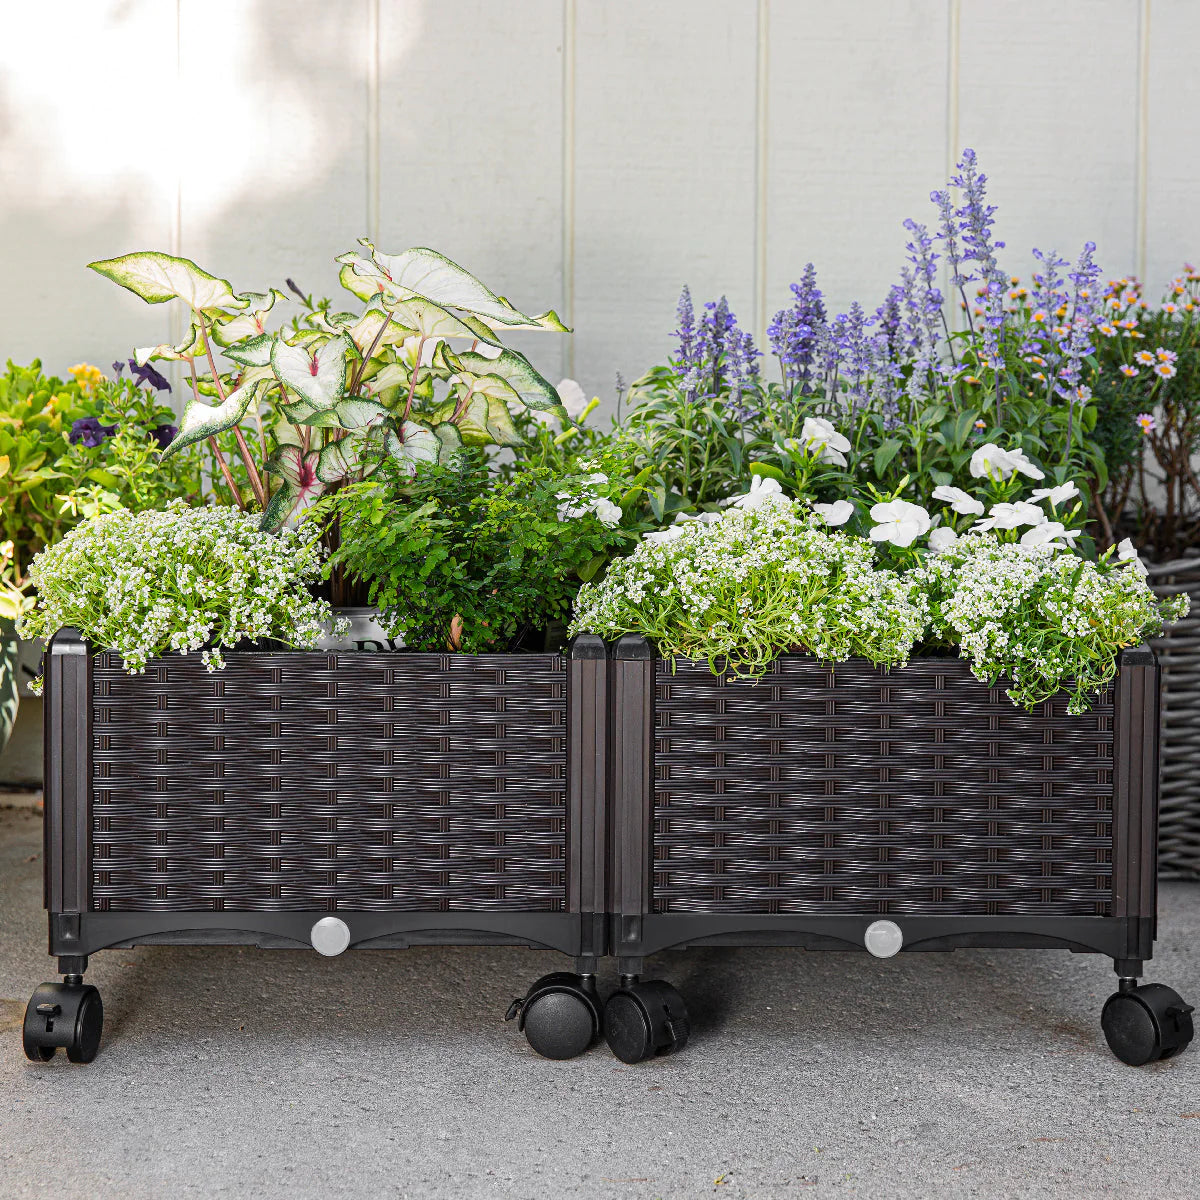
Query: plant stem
(361, 369)
(412, 380)
(212, 441)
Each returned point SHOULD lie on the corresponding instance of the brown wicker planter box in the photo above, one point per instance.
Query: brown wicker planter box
(327, 799)
(832, 808)
(1178, 653)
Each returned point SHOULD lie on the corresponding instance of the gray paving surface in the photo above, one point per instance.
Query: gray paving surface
(244, 1073)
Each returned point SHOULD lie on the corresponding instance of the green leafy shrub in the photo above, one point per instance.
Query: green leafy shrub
(69, 450)
(757, 581)
(183, 579)
(456, 559)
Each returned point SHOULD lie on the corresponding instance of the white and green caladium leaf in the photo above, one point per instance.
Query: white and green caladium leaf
(365, 330)
(515, 370)
(249, 324)
(424, 272)
(299, 488)
(393, 375)
(316, 373)
(500, 424)
(202, 421)
(253, 352)
(336, 461)
(413, 444)
(430, 320)
(192, 346)
(158, 277)
(450, 439)
(356, 412)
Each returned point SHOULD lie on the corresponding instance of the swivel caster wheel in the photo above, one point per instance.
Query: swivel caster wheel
(1146, 1023)
(559, 1015)
(66, 1014)
(645, 1019)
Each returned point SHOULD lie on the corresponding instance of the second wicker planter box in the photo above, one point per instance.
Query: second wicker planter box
(850, 807)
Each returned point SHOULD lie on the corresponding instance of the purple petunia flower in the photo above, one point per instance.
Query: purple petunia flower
(90, 432)
(148, 376)
(118, 367)
(164, 435)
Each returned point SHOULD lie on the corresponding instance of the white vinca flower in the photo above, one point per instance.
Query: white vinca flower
(1011, 516)
(941, 539)
(1049, 533)
(820, 438)
(837, 513)
(704, 518)
(664, 535)
(990, 461)
(1127, 552)
(762, 490)
(1056, 495)
(608, 512)
(959, 501)
(899, 522)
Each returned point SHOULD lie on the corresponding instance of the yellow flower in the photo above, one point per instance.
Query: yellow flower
(1128, 371)
(1165, 370)
(88, 377)
(1145, 358)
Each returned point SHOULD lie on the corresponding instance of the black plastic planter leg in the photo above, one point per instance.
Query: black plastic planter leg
(1146, 1022)
(559, 1015)
(68, 1014)
(645, 1019)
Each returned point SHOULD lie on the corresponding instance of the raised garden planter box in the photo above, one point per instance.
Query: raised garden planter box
(369, 800)
(1178, 651)
(849, 807)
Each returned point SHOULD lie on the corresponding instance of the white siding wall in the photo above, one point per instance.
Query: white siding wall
(590, 155)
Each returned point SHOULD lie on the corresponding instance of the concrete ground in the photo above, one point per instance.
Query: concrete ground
(245, 1074)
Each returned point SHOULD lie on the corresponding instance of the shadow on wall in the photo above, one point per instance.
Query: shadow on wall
(250, 156)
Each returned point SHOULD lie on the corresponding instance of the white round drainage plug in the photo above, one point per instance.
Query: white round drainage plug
(883, 938)
(331, 936)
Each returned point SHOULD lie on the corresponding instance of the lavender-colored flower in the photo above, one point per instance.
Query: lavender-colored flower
(888, 318)
(90, 432)
(148, 376)
(1085, 280)
(948, 235)
(118, 367)
(795, 332)
(685, 334)
(164, 435)
(848, 333)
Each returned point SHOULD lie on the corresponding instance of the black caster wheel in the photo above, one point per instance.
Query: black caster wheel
(1146, 1023)
(644, 1020)
(559, 1015)
(69, 1015)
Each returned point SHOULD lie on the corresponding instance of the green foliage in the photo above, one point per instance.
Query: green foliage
(415, 374)
(48, 484)
(180, 579)
(456, 559)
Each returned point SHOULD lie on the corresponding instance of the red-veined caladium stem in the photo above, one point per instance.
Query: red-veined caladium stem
(212, 442)
(412, 383)
(256, 483)
(361, 370)
(461, 406)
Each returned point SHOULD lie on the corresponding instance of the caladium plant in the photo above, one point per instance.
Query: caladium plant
(416, 373)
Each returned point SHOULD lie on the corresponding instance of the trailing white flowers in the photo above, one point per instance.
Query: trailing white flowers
(183, 579)
(1043, 618)
(763, 579)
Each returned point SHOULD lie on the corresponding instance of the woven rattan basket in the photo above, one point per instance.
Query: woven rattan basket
(1179, 656)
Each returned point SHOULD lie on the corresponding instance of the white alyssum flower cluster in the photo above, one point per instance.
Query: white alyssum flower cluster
(182, 579)
(1043, 618)
(758, 581)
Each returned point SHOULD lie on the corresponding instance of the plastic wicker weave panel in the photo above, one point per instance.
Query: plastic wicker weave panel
(1179, 658)
(406, 782)
(860, 791)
